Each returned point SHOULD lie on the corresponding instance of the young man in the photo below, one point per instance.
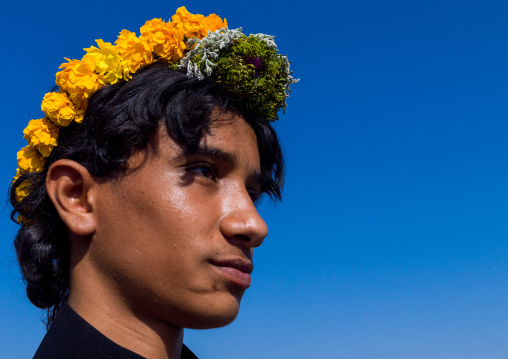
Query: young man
(139, 219)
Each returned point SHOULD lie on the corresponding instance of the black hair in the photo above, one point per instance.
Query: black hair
(120, 120)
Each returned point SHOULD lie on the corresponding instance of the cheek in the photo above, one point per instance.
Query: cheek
(154, 244)
(185, 199)
(157, 230)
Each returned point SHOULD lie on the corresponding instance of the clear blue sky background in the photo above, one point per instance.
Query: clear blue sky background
(392, 240)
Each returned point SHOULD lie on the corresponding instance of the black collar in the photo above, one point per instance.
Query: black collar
(71, 337)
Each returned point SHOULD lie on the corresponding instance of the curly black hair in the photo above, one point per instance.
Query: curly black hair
(120, 120)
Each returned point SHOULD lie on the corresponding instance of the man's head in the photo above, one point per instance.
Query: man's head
(136, 192)
(152, 199)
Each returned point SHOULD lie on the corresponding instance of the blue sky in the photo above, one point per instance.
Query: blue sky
(392, 238)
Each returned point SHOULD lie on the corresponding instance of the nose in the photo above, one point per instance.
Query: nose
(242, 223)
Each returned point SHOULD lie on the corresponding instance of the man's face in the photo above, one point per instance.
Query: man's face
(175, 235)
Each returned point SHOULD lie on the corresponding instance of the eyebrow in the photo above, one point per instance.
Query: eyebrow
(217, 153)
(228, 158)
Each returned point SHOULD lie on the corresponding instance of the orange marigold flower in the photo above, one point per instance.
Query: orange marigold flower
(135, 51)
(108, 62)
(59, 109)
(42, 135)
(191, 25)
(79, 79)
(167, 41)
(29, 160)
(214, 22)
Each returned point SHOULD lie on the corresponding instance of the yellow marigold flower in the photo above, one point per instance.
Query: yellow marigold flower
(42, 135)
(167, 41)
(191, 25)
(214, 22)
(108, 62)
(16, 177)
(22, 219)
(79, 115)
(58, 108)
(29, 160)
(135, 51)
(79, 79)
(22, 190)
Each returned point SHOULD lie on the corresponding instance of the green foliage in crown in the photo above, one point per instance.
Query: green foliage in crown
(248, 68)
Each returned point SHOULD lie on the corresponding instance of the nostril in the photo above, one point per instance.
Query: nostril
(242, 241)
(243, 238)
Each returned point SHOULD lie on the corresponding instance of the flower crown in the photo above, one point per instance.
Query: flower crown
(248, 68)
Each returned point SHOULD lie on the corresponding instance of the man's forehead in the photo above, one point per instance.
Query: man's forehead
(229, 134)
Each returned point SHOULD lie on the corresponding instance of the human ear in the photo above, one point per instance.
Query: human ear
(71, 189)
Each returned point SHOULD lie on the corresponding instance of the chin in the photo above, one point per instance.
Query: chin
(221, 312)
(212, 322)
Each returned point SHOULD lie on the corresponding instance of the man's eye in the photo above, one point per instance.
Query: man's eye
(256, 197)
(205, 170)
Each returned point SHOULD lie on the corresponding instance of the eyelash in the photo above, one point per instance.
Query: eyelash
(256, 197)
(214, 175)
(197, 167)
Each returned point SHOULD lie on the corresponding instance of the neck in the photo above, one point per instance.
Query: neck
(148, 336)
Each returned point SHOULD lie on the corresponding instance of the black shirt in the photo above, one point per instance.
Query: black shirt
(71, 337)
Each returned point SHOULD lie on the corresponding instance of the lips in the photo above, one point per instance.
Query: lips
(236, 270)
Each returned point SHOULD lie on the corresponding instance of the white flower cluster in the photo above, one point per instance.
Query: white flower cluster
(289, 80)
(267, 39)
(208, 48)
